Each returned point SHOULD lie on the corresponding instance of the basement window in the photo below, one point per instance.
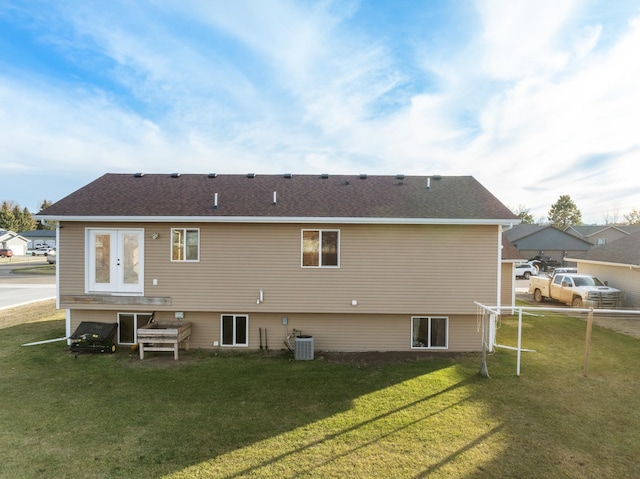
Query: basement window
(235, 330)
(430, 332)
(128, 324)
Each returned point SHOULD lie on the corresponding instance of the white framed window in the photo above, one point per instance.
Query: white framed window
(601, 241)
(114, 261)
(429, 332)
(320, 248)
(185, 244)
(234, 330)
(128, 324)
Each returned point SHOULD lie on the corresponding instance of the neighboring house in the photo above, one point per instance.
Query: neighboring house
(39, 238)
(13, 241)
(602, 234)
(617, 263)
(546, 240)
(360, 263)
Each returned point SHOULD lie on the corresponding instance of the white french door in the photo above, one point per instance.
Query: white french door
(115, 260)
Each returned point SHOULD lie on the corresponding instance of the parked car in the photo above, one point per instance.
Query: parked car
(525, 270)
(40, 251)
(6, 253)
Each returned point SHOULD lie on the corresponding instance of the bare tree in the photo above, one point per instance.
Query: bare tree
(633, 218)
(611, 217)
(524, 214)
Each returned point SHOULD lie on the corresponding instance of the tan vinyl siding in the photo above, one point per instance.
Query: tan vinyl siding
(387, 269)
(392, 271)
(71, 258)
(349, 332)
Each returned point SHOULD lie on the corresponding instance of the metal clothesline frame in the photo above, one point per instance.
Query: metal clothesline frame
(495, 311)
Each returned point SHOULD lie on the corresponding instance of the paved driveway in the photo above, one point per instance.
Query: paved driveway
(18, 289)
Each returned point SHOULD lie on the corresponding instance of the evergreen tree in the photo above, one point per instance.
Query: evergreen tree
(7, 219)
(564, 213)
(12, 218)
(24, 219)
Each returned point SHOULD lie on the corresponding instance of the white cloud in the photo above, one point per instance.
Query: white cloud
(527, 105)
(545, 127)
(519, 38)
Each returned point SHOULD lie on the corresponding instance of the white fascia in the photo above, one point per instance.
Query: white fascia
(279, 219)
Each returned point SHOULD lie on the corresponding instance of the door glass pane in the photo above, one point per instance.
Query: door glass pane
(103, 258)
(130, 260)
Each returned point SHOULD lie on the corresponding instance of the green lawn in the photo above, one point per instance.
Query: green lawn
(247, 415)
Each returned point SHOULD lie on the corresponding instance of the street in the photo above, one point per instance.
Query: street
(18, 289)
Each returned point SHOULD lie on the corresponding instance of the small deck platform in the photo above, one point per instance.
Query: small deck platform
(163, 336)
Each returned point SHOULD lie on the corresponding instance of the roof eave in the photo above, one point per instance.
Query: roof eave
(278, 219)
(603, 263)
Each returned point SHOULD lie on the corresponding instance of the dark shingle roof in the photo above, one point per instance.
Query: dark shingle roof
(297, 196)
(589, 230)
(622, 251)
(510, 252)
(520, 231)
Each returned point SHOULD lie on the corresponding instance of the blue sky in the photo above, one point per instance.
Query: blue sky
(535, 99)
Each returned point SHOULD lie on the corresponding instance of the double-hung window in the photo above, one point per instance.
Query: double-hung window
(185, 244)
(430, 332)
(320, 248)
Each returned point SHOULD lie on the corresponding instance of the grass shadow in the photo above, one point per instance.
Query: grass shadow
(130, 418)
(253, 415)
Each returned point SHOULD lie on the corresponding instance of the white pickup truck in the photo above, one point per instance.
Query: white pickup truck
(576, 290)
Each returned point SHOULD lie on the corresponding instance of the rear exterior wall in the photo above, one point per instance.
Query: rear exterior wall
(344, 332)
(387, 274)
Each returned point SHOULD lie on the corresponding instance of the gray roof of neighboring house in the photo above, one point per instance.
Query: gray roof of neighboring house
(590, 230)
(297, 196)
(622, 251)
(523, 230)
(545, 237)
(39, 234)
